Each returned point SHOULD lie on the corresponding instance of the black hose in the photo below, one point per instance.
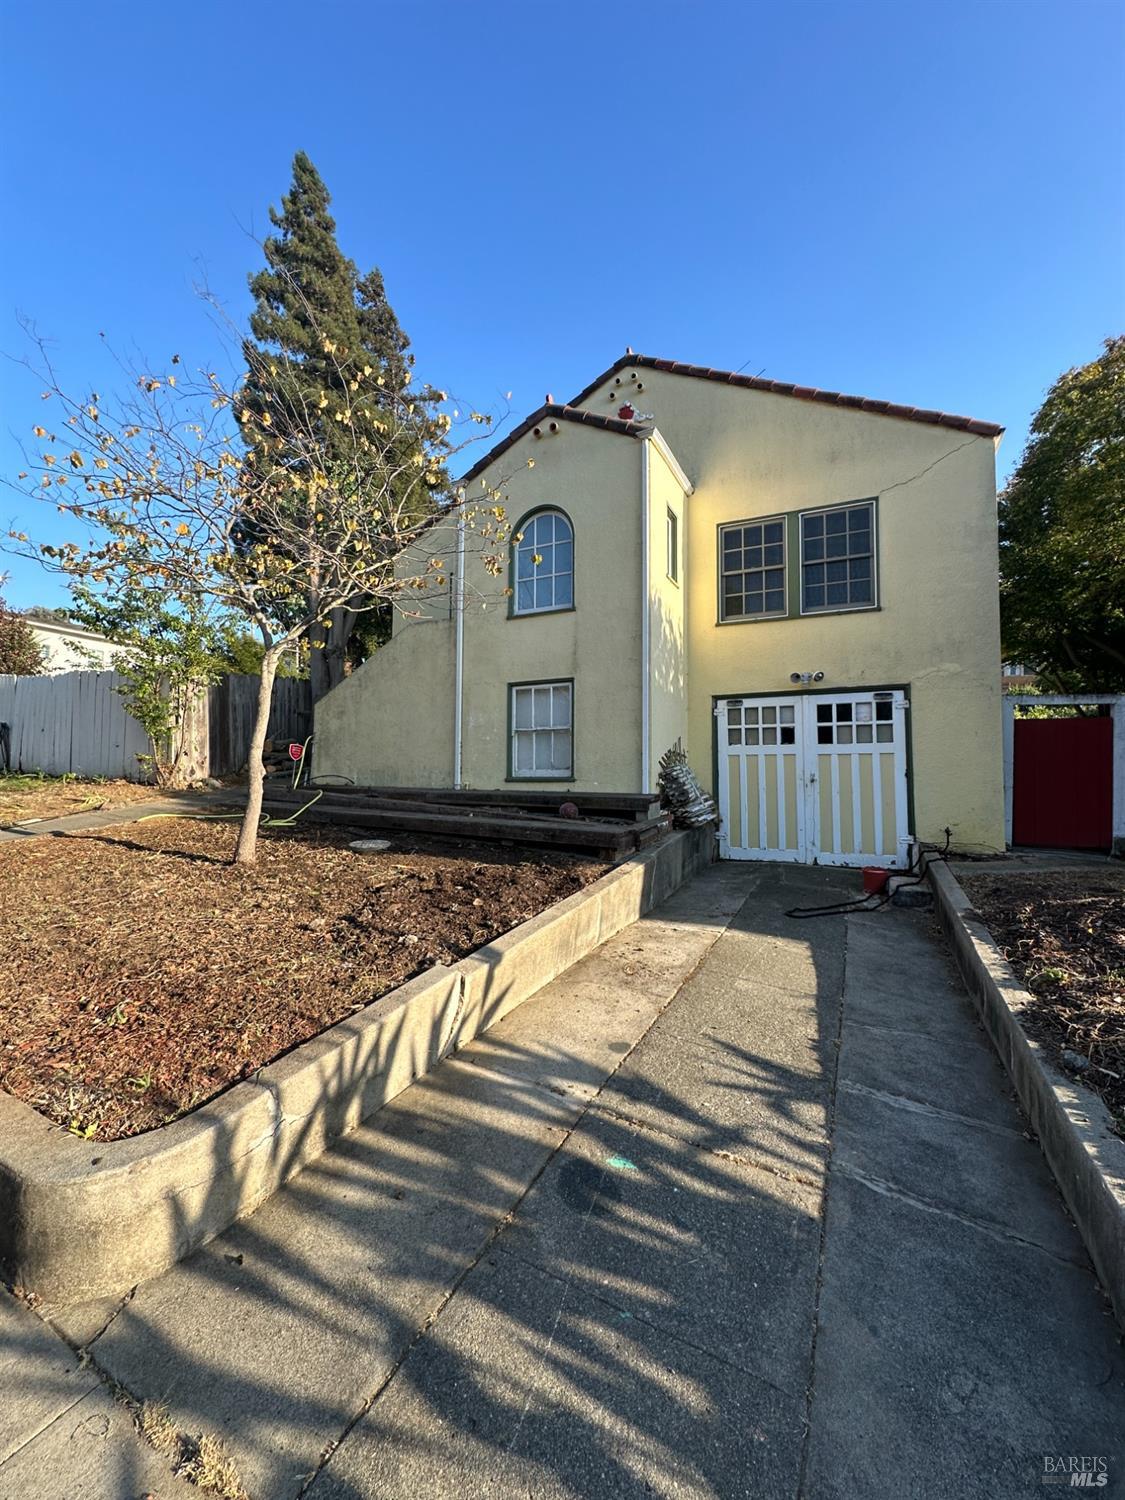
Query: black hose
(915, 874)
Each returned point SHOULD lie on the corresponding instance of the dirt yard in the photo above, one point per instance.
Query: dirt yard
(1064, 934)
(141, 974)
(23, 797)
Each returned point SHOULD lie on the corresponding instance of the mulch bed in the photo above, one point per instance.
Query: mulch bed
(141, 974)
(1064, 934)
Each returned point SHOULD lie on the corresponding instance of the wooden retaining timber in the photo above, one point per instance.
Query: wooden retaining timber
(638, 806)
(489, 816)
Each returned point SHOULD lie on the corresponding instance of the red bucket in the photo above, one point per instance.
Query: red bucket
(874, 880)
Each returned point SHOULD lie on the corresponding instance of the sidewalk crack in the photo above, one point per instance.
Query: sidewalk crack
(994, 1231)
(810, 1391)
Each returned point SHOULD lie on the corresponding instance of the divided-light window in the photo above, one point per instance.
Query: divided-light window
(544, 564)
(838, 558)
(542, 715)
(752, 569)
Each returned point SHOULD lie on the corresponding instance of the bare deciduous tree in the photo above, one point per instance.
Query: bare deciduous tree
(181, 490)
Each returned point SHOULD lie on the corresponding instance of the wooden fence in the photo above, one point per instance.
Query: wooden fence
(76, 722)
(71, 721)
(233, 701)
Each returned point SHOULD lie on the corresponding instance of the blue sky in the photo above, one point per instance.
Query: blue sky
(922, 203)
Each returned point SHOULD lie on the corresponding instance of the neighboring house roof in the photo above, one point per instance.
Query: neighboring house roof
(65, 629)
(801, 392)
(551, 411)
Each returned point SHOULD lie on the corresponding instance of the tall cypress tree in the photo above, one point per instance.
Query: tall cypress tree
(311, 304)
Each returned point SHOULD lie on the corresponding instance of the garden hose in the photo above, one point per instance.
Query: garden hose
(914, 875)
(266, 820)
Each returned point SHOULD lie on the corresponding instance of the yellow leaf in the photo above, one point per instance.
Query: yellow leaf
(40, 431)
(182, 530)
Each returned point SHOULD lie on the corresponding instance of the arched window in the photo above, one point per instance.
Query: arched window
(544, 558)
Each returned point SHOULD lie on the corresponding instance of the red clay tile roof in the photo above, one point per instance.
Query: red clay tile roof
(802, 392)
(554, 412)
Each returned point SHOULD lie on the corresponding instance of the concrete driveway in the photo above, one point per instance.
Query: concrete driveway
(740, 1206)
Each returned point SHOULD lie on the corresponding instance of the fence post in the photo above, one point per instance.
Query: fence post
(1008, 711)
(1117, 713)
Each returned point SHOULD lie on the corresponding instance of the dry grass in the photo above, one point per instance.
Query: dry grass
(159, 1431)
(25, 797)
(209, 1467)
(202, 1461)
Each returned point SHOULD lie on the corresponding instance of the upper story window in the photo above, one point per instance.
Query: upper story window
(752, 569)
(673, 538)
(544, 564)
(838, 558)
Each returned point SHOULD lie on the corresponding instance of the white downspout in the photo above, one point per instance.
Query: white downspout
(646, 626)
(458, 646)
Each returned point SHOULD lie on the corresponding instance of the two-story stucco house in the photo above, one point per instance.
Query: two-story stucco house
(799, 587)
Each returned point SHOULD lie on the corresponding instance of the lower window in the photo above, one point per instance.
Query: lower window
(542, 718)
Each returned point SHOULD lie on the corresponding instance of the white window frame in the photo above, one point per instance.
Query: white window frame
(827, 510)
(560, 689)
(524, 527)
(672, 542)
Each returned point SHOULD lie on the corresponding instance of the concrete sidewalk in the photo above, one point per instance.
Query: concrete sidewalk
(740, 1205)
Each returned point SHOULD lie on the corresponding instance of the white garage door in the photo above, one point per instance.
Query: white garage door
(816, 778)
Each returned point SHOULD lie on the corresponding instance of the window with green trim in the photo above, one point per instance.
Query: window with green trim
(544, 564)
(838, 558)
(752, 569)
(542, 715)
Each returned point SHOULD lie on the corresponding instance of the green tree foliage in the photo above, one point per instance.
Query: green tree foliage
(20, 652)
(1062, 533)
(240, 651)
(169, 653)
(313, 308)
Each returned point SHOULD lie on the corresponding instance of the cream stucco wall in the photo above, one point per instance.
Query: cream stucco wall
(937, 629)
(668, 710)
(391, 722)
(595, 478)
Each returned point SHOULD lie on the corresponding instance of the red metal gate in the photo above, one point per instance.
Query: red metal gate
(1062, 796)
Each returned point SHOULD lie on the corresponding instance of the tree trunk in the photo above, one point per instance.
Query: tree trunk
(328, 652)
(191, 760)
(248, 834)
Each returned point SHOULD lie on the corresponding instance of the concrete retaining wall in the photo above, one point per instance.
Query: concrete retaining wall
(1074, 1127)
(80, 1219)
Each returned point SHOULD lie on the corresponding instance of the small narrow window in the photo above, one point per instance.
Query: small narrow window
(673, 546)
(752, 569)
(838, 558)
(543, 731)
(544, 564)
